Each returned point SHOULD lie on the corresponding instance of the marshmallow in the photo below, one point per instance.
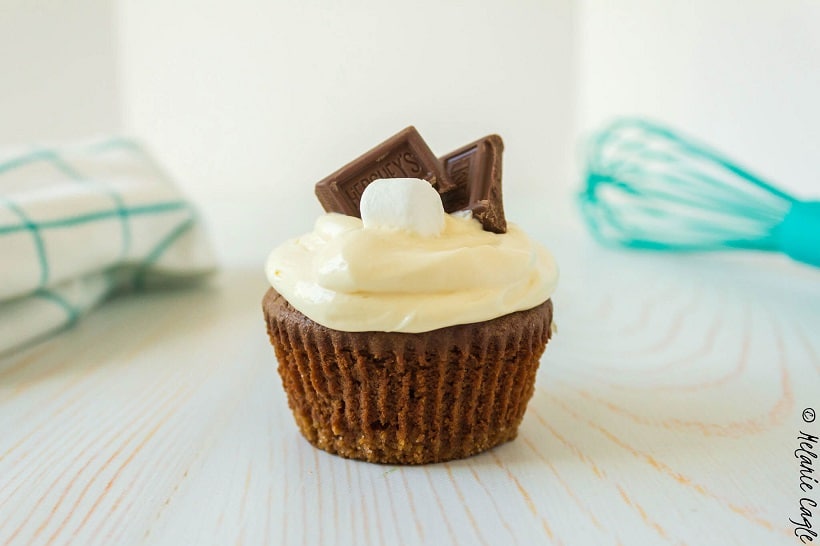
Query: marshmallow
(407, 204)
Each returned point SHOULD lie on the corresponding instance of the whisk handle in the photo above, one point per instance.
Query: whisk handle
(799, 233)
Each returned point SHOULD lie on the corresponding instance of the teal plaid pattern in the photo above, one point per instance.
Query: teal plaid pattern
(80, 223)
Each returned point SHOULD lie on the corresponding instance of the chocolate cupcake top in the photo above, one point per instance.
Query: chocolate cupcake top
(407, 266)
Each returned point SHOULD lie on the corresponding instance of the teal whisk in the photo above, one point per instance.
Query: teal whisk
(649, 187)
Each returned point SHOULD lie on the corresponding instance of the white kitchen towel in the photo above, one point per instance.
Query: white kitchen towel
(79, 223)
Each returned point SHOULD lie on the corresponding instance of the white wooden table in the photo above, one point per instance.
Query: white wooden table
(667, 410)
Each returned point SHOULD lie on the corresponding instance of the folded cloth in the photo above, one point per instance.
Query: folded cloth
(80, 223)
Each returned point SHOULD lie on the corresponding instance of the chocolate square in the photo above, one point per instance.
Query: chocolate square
(404, 155)
(475, 173)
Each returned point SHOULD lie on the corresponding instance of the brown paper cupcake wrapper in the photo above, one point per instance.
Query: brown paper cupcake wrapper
(408, 398)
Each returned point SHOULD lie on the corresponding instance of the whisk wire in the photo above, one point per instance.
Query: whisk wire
(690, 149)
(647, 187)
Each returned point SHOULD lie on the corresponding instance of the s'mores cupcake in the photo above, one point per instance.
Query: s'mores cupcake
(406, 333)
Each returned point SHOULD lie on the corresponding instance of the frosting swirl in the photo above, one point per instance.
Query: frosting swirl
(347, 277)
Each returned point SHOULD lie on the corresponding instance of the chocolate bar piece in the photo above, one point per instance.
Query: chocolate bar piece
(404, 155)
(475, 172)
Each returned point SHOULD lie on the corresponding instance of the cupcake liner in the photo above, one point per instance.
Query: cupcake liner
(408, 398)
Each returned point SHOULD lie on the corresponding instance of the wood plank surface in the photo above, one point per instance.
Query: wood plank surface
(667, 411)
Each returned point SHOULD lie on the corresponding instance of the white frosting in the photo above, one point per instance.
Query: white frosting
(385, 276)
(408, 204)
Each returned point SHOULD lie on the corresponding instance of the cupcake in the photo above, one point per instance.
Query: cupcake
(409, 335)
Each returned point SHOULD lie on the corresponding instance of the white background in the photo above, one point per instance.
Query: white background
(249, 103)
(58, 70)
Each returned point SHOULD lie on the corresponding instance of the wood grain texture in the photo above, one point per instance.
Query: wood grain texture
(666, 412)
